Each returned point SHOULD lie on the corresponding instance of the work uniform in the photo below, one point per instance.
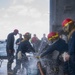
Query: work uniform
(61, 46)
(69, 26)
(18, 41)
(24, 47)
(17, 44)
(71, 45)
(10, 50)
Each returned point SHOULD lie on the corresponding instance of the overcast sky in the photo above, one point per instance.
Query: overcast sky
(25, 15)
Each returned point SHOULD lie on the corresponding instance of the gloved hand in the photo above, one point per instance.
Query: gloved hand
(38, 57)
(19, 55)
(65, 56)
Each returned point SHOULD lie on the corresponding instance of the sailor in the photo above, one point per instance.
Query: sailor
(68, 26)
(19, 40)
(57, 44)
(17, 44)
(24, 47)
(10, 49)
(35, 42)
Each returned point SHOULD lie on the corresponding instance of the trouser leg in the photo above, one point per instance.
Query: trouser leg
(25, 63)
(18, 66)
(10, 61)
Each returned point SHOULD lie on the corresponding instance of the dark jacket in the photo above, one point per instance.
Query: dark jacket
(25, 46)
(71, 45)
(19, 40)
(10, 42)
(60, 45)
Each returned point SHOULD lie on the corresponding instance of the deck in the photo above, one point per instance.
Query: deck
(3, 68)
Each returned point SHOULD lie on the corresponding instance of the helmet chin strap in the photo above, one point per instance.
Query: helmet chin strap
(70, 28)
(70, 33)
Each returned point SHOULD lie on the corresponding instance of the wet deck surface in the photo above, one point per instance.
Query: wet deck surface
(3, 68)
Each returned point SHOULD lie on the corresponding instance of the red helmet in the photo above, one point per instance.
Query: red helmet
(52, 35)
(66, 22)
(27, 35)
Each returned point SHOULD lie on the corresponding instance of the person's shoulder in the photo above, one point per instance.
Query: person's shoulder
(10, 34)
(23, 40)
(61, 39)
(73, 35)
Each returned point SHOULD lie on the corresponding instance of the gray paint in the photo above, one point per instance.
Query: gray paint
(60, 10)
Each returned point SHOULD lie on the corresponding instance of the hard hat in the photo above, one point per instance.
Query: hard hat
(52, 35)
(27, 35)
(67, 22)
(16, 31)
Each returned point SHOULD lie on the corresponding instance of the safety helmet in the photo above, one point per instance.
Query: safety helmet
(67, 22)
(52, 35)
(27, 35)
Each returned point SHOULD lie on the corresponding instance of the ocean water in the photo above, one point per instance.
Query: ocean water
(3, 49)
